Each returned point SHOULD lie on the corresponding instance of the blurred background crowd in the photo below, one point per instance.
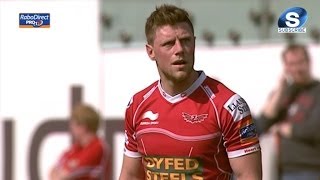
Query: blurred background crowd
(217, 23)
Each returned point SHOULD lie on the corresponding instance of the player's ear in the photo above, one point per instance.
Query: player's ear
(150, 52)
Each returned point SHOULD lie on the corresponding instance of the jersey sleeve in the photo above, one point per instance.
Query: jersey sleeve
(130, 147)
(238, 127)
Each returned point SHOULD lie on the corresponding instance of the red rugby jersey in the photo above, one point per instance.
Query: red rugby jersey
(191, 135)
(89, 162)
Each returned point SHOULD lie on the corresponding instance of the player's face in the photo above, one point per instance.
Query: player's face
(77, 130)
(297, 66)
(173, 50)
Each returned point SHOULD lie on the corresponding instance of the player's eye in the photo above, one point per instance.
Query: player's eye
(168, 43)
(185, 40)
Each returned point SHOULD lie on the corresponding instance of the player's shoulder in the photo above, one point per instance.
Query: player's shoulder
(218, 88)
(223, 95)
(315, 88)
(229, 100)
(97, 143)
(144, 93)
(96, 147)
(316, 84)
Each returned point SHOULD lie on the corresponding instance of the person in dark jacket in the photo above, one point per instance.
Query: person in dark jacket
(293, 113)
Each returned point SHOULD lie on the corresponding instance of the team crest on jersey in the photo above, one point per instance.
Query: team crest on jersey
(194, 118)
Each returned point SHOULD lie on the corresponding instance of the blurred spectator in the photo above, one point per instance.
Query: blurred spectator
(293, 113)
(88, 156)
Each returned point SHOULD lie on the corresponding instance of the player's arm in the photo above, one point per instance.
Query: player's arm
(58, 172)
(53, 174)
(241, 139)
(305, 131)
(247, 167)
(132, 169)
(83, 165)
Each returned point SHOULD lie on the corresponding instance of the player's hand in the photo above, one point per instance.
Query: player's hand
(271, 107)
(284, 129)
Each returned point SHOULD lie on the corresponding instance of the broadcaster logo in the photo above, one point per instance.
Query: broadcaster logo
(292, 20)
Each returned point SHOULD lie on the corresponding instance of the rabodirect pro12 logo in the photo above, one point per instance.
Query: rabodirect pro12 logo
(292, 20)
(34, 20)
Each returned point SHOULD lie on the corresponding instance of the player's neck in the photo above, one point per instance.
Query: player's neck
(173, 88)
(85, 140)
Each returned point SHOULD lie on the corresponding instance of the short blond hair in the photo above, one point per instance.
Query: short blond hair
(86, 115)
(165, 15)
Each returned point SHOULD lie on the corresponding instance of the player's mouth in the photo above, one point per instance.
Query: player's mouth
(179, 62)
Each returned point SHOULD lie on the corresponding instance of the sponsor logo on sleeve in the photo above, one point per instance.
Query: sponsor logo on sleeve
(252, 149)
(248, 131)
(173, 168)
(237, 107)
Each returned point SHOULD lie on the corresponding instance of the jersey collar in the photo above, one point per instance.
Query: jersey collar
(184, 94)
